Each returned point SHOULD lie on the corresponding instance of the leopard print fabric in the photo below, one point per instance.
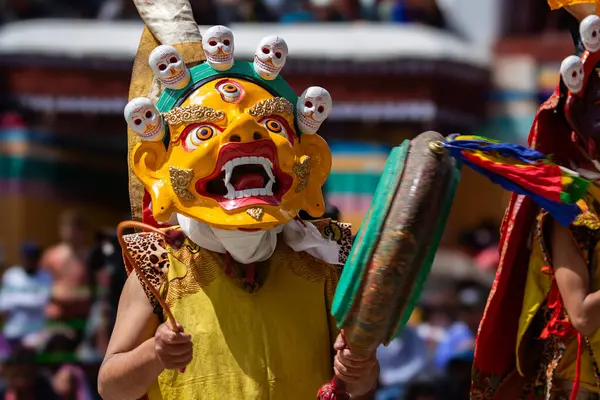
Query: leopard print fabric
(339, 232)
(149, 251)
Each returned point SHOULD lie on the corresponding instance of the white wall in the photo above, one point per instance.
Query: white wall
(478, 20)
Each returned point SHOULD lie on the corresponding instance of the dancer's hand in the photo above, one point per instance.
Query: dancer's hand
(174, 350)
(359, 373)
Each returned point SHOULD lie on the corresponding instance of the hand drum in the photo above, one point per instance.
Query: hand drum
(396, 244)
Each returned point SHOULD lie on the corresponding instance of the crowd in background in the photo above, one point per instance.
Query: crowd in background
(58, 307)
(212, 12)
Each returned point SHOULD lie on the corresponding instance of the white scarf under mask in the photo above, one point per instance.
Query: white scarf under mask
(249, 247)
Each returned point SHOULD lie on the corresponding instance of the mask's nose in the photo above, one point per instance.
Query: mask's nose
(244, 129)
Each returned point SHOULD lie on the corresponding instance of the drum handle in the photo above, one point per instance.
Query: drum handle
(336, 388)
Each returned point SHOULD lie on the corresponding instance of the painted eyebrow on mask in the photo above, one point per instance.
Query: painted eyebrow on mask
(193, 113)
(275, 105)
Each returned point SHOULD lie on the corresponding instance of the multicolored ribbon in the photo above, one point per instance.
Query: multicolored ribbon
(523, 171)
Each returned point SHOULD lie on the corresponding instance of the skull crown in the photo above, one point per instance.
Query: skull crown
(169, 67)
(270, 57)
(313, 108)
(218, 46)
(144, 120)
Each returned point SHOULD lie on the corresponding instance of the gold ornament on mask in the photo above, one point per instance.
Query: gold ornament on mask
(275, 105)
(192, 114)
(302, 171)
(181, 180)
(256, 213)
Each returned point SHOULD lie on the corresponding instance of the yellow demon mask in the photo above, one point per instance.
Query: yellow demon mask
(230, 144)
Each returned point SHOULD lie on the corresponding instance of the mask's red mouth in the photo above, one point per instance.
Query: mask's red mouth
(246, 174)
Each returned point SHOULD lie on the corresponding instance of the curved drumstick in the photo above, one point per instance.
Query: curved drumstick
(173, 239)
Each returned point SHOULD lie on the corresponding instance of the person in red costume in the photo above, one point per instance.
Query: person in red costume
(539, 337)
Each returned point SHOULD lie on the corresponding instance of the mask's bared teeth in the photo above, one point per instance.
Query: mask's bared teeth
(230, 191)
(267, 166)
(228, 167)
(269, 188)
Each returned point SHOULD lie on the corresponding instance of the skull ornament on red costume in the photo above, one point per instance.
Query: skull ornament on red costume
(581, 77)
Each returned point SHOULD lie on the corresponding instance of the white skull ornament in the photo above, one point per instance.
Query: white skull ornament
(144, 119)
(313, 108)
(270, 57)
(589, 29)
(217, 43)
(571, 71)
(169, 67)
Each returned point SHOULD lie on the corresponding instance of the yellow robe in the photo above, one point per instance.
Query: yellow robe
(273, 344)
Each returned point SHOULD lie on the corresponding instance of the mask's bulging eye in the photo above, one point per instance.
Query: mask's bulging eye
(231, 91)
(274, 125)
(197, 134)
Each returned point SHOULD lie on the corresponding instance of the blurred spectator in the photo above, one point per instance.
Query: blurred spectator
(458, 376)
(460, 337)
(229, 11)
(321, 11)
(300, 12)
(58, 345)
(24, 379)
(482, 237)
(12, 120)
(328, 10)
(106, 264)
(488, 259)
(437, 306)
(423, 11)
(70, 383)
(66, 262)
(106, 261)
(482, 244)
(205, 12)
(424, 388)
(24, 295)
(255, 11)
(14, 10)
(400, 362)
(349, 10)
